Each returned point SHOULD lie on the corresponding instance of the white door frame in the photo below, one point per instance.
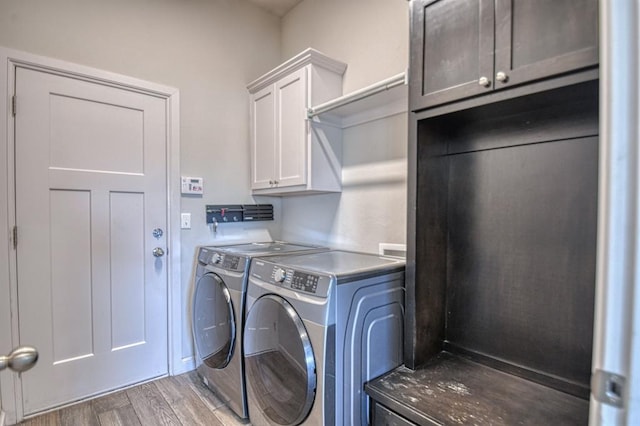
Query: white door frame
(617, 320)
(10, 385)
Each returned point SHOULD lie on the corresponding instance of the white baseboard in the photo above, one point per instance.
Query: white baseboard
(184, 365)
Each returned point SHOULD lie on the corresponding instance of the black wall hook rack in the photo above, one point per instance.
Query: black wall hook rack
(226, 213)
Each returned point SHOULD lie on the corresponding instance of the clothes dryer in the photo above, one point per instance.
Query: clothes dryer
(318, 327)
(218, 314)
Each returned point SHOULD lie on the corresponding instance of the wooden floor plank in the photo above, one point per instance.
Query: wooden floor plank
(193, 381)
(180, 400)
(49, 419)
(110, 402)
(121, 416)
(187, 405)
(151, 407)
(228, 417)
(79, 415)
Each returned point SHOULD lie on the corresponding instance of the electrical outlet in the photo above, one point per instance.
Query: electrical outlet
(185, 221)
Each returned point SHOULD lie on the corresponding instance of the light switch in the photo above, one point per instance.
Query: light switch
(185, 221)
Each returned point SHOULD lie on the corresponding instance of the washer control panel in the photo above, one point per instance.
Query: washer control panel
(230, 262)
(213, 258)
(303, 281)
(295, 280)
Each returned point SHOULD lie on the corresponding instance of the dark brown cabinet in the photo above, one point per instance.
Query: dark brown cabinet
(501, 215)
(466, 48)
(382, 416)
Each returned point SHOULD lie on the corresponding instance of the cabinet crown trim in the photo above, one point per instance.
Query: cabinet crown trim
(306, 57)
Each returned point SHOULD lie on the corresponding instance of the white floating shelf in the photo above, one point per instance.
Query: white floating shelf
(382, 99)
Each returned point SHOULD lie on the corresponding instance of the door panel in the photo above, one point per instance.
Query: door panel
(455, 42)
(291, 145)
(112, 137)
(70, 269)
(263, 138)
(126, 232)
(90, 188)
(537, 39)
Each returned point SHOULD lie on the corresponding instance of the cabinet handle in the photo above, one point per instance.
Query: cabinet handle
(484, 81)
(502, 77)
(271, 182)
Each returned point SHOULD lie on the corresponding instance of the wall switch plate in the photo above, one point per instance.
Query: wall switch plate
(185, 220)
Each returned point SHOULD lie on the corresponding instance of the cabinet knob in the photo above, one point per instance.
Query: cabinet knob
(270, 182)
(502, 77)
(484, 81)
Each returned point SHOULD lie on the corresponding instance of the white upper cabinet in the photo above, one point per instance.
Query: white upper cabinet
(290, 154)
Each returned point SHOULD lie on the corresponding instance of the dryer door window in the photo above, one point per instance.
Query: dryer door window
(214, 326)
(281, 370)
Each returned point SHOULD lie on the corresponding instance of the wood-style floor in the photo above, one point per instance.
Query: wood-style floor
(180, 400)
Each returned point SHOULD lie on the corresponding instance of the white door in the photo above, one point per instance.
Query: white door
(90, 190)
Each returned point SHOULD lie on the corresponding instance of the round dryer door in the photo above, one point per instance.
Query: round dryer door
(280, 366)
(214, 327)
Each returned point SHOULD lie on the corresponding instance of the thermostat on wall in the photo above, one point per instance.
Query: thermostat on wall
(192, 185)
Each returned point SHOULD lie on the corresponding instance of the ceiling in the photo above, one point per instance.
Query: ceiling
(277, 7)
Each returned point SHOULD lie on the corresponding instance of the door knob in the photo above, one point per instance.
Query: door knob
(158, 252)
(20, 359)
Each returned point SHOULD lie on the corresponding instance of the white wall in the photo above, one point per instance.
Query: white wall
(208, 49)
(372, 206)
(371, 36)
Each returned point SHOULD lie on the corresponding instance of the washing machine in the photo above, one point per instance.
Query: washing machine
(318, 327)
(218, 299)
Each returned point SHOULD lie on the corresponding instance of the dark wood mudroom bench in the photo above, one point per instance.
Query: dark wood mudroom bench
(453, 390)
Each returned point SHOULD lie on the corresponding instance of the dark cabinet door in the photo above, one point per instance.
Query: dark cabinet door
(464, 48)
(451, 50)
(382, 416)
(542, 38)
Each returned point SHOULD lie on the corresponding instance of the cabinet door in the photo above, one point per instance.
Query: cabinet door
(537, 39)
(291, 129)
(451, 50)
(263, 138)
(382, 416)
